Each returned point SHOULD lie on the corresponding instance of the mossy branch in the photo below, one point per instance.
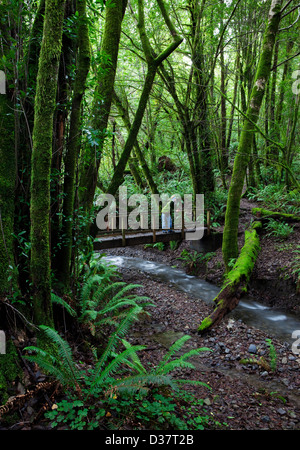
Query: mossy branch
(235, 284)
(266, 213)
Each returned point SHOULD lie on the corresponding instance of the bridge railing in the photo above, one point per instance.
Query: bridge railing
(118, 226)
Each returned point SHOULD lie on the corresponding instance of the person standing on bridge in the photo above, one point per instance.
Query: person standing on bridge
(166, 217)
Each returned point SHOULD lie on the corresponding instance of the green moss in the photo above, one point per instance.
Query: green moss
(206, 323)
(9, 370)
(256, 225)
(245, 262)
(261, 212)
(236, 280)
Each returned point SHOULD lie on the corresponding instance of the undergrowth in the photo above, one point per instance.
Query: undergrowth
(116, 388)
(119, 389)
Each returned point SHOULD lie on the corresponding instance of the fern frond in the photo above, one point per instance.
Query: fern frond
(62, 302)
(87, 288)
(64, 352)
(128, 287)
(102, 293)
(115, 337)
(122, 303)
(172, 365)
(172, 350)
(49, 368)
(114, 365)
(137, 365)
(139, 382)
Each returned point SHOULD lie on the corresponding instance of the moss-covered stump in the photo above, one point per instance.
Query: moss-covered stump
(236, 282)
(267, 214)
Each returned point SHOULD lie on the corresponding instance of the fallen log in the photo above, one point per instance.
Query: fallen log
(262, 213)
(236, 282)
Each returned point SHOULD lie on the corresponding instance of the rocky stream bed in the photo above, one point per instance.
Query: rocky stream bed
(243, 396)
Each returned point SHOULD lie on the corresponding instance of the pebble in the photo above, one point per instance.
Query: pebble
(252, 348)
(264, 374)
(281, 411)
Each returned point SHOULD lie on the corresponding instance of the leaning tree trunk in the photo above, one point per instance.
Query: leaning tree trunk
(236, 280)
(230, 247)
(153, 64)
(45, 100)
(102, 102)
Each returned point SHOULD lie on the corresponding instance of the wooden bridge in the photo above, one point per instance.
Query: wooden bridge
(123, 238)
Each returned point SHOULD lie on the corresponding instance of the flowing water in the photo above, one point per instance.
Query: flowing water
(250, 311)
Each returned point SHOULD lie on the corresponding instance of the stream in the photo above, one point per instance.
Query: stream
(250, 311)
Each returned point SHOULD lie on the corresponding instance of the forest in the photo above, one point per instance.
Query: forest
(150, 98)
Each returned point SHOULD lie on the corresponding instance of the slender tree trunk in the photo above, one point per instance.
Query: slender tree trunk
(73, 145)
(41, 160)
(230, 246)
(60, 125)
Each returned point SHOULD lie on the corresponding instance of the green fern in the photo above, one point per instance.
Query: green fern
(158, 376)
(96, 304)
(63, 303)
(166, 366)
(119, 333)
(62, 366)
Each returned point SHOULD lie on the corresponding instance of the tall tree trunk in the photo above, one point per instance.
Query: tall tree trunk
(102, 101)
(8, 278)
(41, 160)
(59, 132)
(73, 145)
(7, 195)
(230, 246)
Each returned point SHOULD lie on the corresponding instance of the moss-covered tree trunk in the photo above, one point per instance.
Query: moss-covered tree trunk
(236, 280)
(153, 64)
(126, 120)
(91, 157)
(8, 158)
(73, 145)
(41, 160)
(230, 247)
(7, 194)
(133, 133)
